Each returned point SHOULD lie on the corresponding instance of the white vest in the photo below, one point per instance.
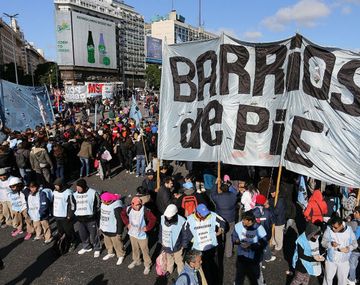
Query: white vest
(137, 223)
(5, 190)
(107, 218)
(61, 203)
(34, 206)
(85, 203)
(18, 202)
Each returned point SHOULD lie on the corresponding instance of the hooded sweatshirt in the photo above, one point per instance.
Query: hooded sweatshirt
(316, 208)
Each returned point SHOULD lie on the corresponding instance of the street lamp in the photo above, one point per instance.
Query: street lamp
(13, 43)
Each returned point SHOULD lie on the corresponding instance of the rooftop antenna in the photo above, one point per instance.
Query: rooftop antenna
(172, 5)
(199, 13)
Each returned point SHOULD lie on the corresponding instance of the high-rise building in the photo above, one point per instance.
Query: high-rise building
(13, 45)
(99, 40)
(175, 30)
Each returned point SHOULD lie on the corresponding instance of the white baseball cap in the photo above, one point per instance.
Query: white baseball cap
(170, 211)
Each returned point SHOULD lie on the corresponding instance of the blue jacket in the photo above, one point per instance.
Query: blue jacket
(265, 218)
(187, 277)
(225, 205)
(278, 211)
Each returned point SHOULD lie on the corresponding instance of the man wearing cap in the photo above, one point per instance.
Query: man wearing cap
(5, 203)
(19, 208)
(112, 226)
(149, 183)
(63, 211)
(139, 220)
(202, 228)
(171, 238)
(87, 205)
(189, 200)
(265, 218)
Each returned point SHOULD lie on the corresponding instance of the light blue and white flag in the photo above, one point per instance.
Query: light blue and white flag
(302, 198)
(135, 112)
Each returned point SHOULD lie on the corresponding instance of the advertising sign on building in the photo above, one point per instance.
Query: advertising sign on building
(94, 42)
(153, 50)
(64, 48)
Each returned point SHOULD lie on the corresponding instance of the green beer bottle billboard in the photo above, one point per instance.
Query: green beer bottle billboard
(90, 48)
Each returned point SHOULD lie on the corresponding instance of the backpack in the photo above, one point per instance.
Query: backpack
(161, 263)
(331, 206)
(189, 204)
(61, 245)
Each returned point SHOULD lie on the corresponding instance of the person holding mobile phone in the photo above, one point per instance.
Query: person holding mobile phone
(339, 241)
(307, 258)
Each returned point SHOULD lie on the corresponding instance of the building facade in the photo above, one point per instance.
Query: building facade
(175, 30)
(129, 42)
(13, 45)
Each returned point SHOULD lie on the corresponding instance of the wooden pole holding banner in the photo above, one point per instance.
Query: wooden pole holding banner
(218, 176)
(358, 197)
(276, 199)
(278, 185)
(158, 174)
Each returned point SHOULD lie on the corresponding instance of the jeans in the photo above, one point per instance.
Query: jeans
(354, 262)
(84, 163)
(60, 171)
(140, 159)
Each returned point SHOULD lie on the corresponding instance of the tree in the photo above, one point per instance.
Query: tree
(45, 73)
(153, 76)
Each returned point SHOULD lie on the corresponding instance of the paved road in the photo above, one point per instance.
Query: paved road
(32, 262)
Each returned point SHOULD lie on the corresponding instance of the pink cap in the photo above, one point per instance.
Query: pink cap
(226, 178)
(108, 197)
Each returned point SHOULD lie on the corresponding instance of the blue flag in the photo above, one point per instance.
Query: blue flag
(302, 198)
(135, 112)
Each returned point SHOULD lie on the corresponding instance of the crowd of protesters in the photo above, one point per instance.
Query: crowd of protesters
(198, 219)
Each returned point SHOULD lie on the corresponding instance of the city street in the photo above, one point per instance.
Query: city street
(32, 262)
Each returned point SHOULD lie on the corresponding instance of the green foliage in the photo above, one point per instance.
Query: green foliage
(153, 76)
(42, 75)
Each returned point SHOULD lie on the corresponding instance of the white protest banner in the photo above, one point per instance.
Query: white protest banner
(94, 89)
(75, 93)
(108, 91)
(289, 102)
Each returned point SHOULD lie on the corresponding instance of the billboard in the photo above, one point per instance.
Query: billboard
(64, 47)
(94, 41)
(153, 50)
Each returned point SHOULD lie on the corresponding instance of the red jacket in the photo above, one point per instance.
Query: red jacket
(316, 208)
(150, 218)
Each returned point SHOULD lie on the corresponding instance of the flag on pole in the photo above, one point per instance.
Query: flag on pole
(135, 112)
(42, 109)
(302, 198)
